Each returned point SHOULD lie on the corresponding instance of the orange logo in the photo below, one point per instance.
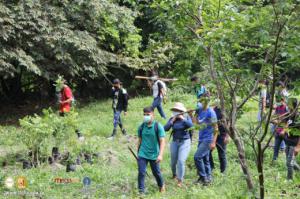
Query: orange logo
(22, 182)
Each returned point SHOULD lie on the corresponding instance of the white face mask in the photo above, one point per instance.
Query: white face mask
(175, 113)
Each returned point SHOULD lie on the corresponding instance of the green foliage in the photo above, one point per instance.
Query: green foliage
(35, 131)
(118, 179)
(81, 40)
(40, 132)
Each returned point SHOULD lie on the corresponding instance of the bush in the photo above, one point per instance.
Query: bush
(38, 132)
(35, 132)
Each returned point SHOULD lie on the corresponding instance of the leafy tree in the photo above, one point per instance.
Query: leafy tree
(238, 43)
(82, 40)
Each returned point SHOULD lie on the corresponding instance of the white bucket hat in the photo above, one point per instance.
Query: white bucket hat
(178, 107)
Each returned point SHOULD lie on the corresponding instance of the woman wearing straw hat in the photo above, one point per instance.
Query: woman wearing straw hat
(181, 143)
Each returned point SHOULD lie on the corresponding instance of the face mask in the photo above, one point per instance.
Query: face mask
(175, 113)
(147, 118)
(278, 103)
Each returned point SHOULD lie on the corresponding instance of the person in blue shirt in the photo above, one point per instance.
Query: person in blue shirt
(207, 120)
(199, 88)
(181, 142)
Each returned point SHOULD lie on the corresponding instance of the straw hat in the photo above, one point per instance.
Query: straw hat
(178, 107)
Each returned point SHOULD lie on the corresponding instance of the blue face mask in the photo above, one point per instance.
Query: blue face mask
(147, 118)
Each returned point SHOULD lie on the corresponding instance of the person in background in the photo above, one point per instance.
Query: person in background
(181, 142)
(282, 91)
(151, 144)
(280, 123)
(159, 91)
(206, 118)
(66, 97)
(199, 89)
(292, 138)
(222, 141)
(119, 104)
(262, 99)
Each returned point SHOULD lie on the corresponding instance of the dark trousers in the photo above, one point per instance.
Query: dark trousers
(290, 159)
(221, 148)
(142, 166)
(278, 141)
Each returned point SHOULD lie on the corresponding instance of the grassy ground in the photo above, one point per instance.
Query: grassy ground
(114, 171)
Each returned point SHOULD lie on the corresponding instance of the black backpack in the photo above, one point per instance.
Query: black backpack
(268, 100)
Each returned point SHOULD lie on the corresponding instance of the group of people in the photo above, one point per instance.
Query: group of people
(205, 118)
(151, 134)
(284, 123)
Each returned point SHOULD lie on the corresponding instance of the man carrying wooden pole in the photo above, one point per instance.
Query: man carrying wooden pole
(159, 90)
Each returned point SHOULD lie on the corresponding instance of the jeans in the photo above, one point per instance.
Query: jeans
(157, 103)
(179, 153)
(142, 165)
(273, 127)
(221, 148)
(201, 159)
(117, 119)
(277, 145)
(290, 158)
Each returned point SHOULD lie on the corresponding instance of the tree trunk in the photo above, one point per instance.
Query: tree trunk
(260, 169)
(241, 154)
(232, 132)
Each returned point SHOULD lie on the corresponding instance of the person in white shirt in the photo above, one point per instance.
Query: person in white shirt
(159, 92)
(262, 99)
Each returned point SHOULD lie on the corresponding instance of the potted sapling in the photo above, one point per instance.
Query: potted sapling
(35, 132)
(64, 128)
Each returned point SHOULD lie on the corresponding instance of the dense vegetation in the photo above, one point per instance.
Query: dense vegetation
(92, 41)
(114, 170)
(229, 44)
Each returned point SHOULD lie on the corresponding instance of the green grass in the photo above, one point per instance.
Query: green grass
(114, 172)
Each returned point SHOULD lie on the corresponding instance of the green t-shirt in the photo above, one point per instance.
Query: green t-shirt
(149, 148)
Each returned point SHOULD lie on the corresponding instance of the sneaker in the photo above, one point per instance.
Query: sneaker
(207, 181)
(162, 189)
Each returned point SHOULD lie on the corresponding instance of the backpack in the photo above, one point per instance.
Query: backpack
(140, 131)
(164, 86)
(73, 101)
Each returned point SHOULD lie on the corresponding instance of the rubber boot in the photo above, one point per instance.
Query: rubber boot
(124, 131)
(113, 134)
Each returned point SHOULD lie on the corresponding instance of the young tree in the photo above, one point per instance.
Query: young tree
(240, 44)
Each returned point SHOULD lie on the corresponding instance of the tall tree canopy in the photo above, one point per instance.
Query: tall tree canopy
(80, 39)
